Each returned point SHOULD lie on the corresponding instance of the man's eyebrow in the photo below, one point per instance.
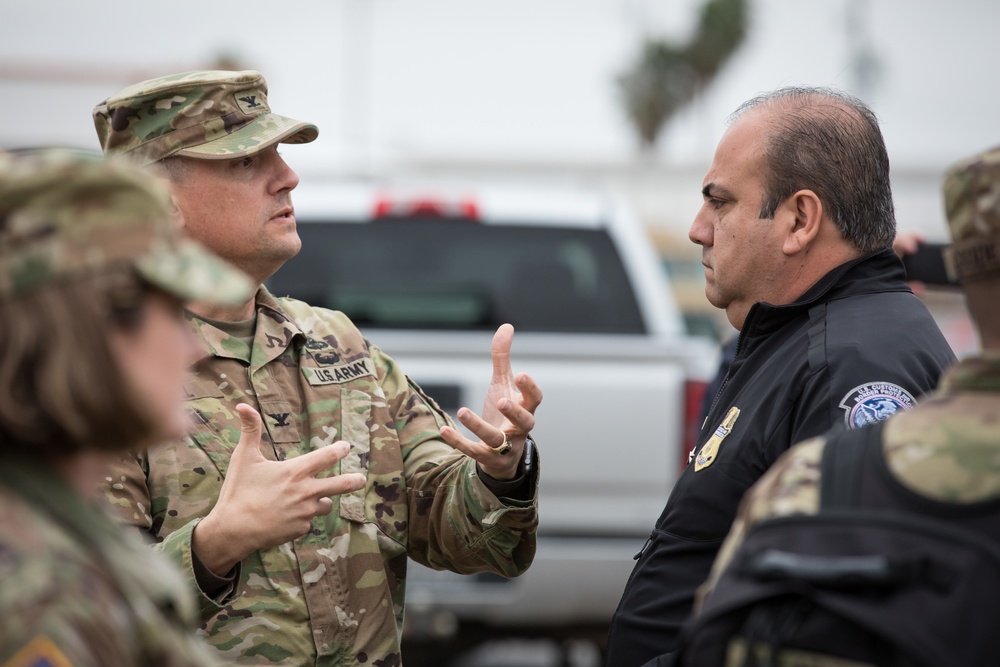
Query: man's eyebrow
(711, 190)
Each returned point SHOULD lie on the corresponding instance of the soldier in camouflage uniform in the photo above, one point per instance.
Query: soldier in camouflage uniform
(945, 449)
(91, 275)
(299, 546)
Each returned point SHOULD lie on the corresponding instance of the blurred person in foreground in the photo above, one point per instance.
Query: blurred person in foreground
(298, 548)
(93, 351)
(796, 231)
(943, 457)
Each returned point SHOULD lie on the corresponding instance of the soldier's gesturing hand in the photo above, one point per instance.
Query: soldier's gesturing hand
(508, 415)
(265, 503)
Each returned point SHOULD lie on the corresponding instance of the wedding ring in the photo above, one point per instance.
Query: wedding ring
(505, 448)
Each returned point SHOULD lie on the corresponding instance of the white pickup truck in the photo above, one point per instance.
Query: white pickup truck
(428, 273)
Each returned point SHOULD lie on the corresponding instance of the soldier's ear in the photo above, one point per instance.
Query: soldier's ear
(175, 211)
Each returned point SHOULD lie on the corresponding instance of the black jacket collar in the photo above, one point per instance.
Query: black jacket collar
(881, 271)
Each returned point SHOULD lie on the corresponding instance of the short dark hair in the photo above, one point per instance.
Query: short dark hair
(829, 142)
(61, 389)
(174, 167)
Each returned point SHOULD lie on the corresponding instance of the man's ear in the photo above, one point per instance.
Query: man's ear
(802, 214)
(176, 213)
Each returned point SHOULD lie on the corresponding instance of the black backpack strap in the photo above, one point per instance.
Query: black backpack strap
(843, 464)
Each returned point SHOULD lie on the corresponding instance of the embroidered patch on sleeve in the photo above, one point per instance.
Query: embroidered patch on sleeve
(872, 402)
(39, 652)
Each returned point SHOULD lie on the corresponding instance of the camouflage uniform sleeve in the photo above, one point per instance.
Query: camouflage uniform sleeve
(456, 522)
(128, 497)
(63, 630)
(791, 486)
(65, 612)
(55, 603)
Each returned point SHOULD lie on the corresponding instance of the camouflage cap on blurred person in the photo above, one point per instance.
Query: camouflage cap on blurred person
(64, 215)
(972, 204)
(203, 114)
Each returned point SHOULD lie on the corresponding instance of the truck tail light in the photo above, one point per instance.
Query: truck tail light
(694, 393)
(424, 207)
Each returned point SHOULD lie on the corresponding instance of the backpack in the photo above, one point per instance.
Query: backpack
(880, 576)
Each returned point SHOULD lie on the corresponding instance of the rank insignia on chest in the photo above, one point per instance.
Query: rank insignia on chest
(710, 450)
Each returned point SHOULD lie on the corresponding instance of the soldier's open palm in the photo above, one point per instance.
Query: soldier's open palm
(508, 414)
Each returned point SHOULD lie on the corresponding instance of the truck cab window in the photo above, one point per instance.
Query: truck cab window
(462, 274)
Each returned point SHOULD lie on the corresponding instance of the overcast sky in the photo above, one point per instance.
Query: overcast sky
(503, 79)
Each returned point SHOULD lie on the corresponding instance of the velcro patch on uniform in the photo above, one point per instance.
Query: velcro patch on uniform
(337, 374)
(251, 102)
(202, 389)
(872, 402)
(39, 652)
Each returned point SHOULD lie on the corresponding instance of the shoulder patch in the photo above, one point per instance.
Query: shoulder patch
(872, 402)
(39, 652)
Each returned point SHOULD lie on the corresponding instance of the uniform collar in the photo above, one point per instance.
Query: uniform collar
(276, 332)
(881, 271)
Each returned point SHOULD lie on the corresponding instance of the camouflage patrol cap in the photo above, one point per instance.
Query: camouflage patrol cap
(972, 204)
(63, 215)
(207, 114)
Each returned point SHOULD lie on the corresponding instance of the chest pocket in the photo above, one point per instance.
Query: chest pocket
(356, 409)
(195, 389)
(208, 415)
(212, 426)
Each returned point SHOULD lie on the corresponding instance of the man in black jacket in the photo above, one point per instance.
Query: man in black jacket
(796, 232)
